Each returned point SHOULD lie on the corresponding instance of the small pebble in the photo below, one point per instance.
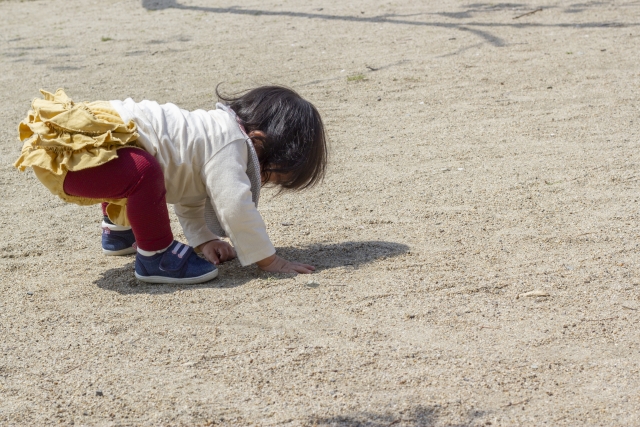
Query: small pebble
(29, 293)
(535, 293)
(312, 284)
(99, 393)
(286, 224)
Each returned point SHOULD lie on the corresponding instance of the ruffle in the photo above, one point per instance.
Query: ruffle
(59, 135)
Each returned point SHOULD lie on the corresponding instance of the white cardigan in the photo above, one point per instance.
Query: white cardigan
(202, 153)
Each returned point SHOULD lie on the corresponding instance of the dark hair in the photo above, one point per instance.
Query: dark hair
(294, 143)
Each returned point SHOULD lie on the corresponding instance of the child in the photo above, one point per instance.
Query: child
(135, 157)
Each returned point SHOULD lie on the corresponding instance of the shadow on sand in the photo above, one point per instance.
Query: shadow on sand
(470, 26)
(420, 416)
(322, 256)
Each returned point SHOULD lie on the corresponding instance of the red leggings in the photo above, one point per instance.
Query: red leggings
(135, 175)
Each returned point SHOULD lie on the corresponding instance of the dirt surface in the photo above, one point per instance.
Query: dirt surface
(476, 237)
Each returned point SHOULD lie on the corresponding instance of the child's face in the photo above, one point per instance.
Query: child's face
(257, 136)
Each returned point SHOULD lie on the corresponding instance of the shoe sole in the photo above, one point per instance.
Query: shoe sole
(127, 251)
(186, 281)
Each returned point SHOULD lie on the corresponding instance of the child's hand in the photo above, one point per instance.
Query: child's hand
(217, 251)
(275, 264)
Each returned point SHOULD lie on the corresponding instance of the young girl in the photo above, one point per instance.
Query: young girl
(135, 157)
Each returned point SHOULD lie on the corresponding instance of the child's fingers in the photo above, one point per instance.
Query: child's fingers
(212, 256)
(231, 253)
(302, 268)
(307, 266)
(226, 253)
(281, 265)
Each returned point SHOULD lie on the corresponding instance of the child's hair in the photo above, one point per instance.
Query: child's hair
(294, 144)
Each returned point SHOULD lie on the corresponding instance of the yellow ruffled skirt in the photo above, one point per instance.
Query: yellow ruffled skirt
(60, 135)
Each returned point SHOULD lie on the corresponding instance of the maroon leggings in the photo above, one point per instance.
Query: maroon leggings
(135, 175)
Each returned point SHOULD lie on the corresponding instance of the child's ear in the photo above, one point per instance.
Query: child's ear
(258, 134)
(257, 138)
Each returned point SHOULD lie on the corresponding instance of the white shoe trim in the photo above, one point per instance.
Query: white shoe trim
(186, 281)
(125, 251)
(183, 251)
(114, 227)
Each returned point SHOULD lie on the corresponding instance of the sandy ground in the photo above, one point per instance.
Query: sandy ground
(475, 156)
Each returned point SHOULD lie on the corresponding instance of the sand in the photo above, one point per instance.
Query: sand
(476, 236)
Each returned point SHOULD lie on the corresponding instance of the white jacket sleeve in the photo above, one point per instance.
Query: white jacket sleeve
(229, 188)
(192, 221)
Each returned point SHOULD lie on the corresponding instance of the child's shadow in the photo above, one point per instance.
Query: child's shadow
(232, 274)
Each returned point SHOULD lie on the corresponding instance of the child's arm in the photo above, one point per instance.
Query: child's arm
(191, 217)
(230, 191)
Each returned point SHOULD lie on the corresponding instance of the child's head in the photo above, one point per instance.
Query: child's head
(288, 134)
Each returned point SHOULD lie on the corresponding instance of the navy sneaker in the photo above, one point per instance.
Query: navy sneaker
(117, 242)
(178, 264)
